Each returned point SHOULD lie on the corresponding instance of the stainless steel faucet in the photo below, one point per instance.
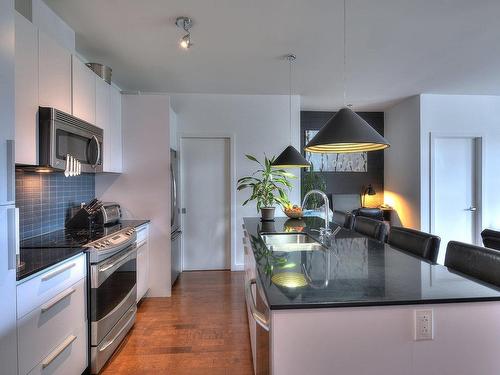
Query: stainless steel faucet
(326, 230)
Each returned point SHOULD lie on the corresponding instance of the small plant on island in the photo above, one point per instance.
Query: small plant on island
(268, 186)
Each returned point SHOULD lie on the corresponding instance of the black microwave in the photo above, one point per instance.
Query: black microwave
(62, 135)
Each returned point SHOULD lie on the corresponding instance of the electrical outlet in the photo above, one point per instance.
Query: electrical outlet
(424, 325)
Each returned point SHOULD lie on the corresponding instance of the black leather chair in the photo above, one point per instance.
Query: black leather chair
(370, 227)
(478, 262)
(372, 213)
(491, 238)
(422, 244)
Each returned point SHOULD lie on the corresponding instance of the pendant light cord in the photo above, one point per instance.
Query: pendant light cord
(290, 60)
(345, 64)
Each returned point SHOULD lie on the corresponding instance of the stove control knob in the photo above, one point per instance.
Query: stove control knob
(107, 242)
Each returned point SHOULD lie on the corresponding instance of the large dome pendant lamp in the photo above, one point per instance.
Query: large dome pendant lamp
(290, 157)
(346, 131)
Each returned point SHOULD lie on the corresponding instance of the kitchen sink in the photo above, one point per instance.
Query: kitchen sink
(285, 242)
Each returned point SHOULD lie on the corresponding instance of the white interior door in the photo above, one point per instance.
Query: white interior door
(205, 198)
(455, 190)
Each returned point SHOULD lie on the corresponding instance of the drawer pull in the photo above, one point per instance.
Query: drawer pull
(57, 351)
(110, 342)
(57, 299)
(58, 272)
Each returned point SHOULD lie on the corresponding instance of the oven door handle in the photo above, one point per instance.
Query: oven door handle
(116, 263)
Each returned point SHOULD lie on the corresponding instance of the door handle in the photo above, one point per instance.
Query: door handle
(471, 209)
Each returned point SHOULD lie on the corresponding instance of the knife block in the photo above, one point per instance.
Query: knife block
(81, 220)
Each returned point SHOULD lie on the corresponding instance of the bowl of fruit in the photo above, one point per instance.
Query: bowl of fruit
(293, 211)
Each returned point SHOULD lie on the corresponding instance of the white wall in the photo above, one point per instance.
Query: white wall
(258, 123)
(402, 161)
(143, 189)
(410, 124)
(474, 115)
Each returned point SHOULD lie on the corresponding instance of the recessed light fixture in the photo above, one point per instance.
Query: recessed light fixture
(185, 23)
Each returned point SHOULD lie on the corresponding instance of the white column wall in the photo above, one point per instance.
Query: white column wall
(143, 189)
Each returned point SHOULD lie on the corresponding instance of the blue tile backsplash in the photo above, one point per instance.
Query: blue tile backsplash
(45, 199)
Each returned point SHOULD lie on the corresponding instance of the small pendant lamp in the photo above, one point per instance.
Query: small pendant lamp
(290, 157)
(346, 132)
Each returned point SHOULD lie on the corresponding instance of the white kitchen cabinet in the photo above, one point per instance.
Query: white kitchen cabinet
(84, 91)
(26, 86)
(52, 320)
(54, 74)
(113, 160)
(142, 261)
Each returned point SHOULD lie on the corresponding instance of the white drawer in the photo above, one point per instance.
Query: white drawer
(38, 290)
(142, 233)
(70, 357)
(44, 328)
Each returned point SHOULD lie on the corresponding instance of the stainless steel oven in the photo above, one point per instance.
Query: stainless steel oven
(62, 135)
(113, 292)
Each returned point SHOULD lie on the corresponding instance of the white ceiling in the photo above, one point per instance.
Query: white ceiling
(395, 48)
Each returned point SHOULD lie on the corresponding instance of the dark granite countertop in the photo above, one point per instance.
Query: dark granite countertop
(133, 223)
(44, 251)
(36, 260)
(353, 271)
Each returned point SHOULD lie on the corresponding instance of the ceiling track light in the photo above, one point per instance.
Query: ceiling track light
(185, 23)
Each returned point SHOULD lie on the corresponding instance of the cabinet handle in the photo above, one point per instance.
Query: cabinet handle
(11, 170)
(58, 272)
(57, 299)
(13, 243)
(259, 317)
(57, 351)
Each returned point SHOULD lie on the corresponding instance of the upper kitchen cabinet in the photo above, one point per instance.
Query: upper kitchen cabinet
(108, 117)
(84, 91)
(54, 69)
(114, 141)
(26, 84)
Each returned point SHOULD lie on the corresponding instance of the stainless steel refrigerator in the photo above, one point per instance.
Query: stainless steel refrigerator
(8, 213)
(175, 227)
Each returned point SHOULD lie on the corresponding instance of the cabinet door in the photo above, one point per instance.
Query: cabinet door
(114, 141)
(54, 74)
(142, 270)
(84, 91)
(102, 96)
(26, 81)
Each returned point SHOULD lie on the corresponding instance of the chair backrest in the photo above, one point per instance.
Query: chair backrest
(372, 213)
(369, 227)
(422, 244)
(491, 238)
(478, 262)
(344, 219)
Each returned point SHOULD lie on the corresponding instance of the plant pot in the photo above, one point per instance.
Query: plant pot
(267, 213)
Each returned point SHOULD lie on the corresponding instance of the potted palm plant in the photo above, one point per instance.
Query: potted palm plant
(268, 187)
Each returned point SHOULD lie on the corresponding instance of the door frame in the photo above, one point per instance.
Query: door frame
(479, 139)
(232, 189)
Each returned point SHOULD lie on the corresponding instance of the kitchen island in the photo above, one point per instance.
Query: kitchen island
(351, 307)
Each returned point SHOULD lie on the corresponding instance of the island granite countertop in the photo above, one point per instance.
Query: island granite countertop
(354, 270)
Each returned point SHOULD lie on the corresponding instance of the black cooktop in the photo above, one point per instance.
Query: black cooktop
(70, 238)
(40, 252)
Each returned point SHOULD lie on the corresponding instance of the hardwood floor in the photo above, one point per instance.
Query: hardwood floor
(201, 329)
